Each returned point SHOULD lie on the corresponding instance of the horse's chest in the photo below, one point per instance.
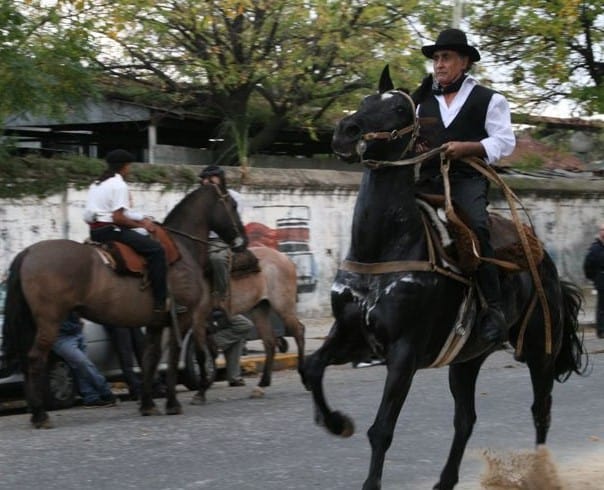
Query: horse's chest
(370, 292)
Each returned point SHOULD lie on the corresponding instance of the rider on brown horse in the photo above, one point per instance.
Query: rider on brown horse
(110, 218)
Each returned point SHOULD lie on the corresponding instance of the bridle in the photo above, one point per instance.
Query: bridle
(222, 198)
(395, 134)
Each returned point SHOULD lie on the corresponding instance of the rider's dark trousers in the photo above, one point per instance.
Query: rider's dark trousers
(470, 193)
(148, 248)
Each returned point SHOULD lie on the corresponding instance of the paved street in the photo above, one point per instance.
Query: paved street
(235, 442)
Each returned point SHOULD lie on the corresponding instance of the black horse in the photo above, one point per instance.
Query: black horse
(406, 316)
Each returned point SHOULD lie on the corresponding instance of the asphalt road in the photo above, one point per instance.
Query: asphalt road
(235, 442)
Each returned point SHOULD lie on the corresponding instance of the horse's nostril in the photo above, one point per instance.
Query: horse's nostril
(352, 131)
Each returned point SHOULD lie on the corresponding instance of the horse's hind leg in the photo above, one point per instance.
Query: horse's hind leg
(542, 377)
(260, 317)
(36, 378)
(296, 328)
(173, 406)
(462, 383)
(36, 386)
(151, 359)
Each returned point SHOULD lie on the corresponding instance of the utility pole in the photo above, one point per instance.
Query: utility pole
(457, 11)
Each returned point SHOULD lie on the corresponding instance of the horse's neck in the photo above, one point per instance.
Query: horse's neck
(191, 233)
(387, 223)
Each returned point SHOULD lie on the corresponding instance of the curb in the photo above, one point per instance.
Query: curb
(255, 364)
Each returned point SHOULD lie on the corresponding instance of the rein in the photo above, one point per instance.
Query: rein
(222, 198)
(182, 233)
(511, 198)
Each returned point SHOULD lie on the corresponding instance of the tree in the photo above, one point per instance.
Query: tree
(552, 50)
(256, 64)
(41, 67)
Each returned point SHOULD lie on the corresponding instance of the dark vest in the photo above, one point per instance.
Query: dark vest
(468, 125)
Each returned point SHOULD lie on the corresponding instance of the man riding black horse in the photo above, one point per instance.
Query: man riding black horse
(469, 120)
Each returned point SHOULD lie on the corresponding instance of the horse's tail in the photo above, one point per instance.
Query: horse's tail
(572, 356)
(19, 327)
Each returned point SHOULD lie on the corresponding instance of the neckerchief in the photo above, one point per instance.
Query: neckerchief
(437, 89)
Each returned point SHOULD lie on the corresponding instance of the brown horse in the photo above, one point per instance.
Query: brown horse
(51, 278)
(273, 288)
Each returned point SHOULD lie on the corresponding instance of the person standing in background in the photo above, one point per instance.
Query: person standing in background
(593, 267)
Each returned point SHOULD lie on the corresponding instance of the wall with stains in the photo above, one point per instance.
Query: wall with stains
(307, 214)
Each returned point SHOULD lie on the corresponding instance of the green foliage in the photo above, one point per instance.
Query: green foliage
(36, 175)
(256, 63)
(547, 50)
(42, 55)
(529, 162)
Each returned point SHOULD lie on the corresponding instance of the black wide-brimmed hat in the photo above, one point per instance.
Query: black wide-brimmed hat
(211, 170)
(455, 40)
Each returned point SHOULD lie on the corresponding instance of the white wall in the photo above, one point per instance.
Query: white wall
(566, 223)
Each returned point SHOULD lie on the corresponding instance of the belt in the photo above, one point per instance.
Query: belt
(99, 224)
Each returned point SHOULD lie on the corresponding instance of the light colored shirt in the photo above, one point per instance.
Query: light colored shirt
(500, 141)
(105, 198)
(238, 198)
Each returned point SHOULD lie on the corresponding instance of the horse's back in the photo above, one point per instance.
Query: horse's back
(276, 282)
(61, 255)
(277, 267)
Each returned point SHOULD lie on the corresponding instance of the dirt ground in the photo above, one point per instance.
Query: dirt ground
(538, 470)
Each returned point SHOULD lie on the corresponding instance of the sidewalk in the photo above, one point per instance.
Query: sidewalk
(316, 331)
(253, 362)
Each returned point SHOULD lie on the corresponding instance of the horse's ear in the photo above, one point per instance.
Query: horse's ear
(385, 81)
(423, 91)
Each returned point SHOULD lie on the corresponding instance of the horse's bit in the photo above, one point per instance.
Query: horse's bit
(395, 134)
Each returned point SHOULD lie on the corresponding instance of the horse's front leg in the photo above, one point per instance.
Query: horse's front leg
(151, 360)
(462, 383)
(36, 386)
(401, 362)
(173, 406)
(342, 345)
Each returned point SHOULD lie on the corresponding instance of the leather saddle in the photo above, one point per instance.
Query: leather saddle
(461, 247)
(125, 260)
(244, 263)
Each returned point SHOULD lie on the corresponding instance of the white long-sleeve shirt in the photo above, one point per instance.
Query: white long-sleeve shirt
(498, 124)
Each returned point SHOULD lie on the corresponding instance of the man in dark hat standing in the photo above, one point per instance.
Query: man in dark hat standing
(593, 266)
(219, 253)
(469, 120)
(110, 217)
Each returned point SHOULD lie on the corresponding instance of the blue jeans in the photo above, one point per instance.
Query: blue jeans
(91, 383)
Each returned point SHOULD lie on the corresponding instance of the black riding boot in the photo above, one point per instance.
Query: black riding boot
(492, 323)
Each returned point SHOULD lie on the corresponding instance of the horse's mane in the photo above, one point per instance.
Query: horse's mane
(184, 205)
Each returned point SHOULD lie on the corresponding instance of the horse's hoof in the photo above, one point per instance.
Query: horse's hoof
(43, 424)
(257, 392)
(174, 410)
(198, 399)
(339, 424)
(147, 411)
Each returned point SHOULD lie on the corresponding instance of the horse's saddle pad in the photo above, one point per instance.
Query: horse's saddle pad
(244, 263)
(126, 260)
(505, 239)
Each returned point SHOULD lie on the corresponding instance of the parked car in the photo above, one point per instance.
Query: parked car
(62, 391)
